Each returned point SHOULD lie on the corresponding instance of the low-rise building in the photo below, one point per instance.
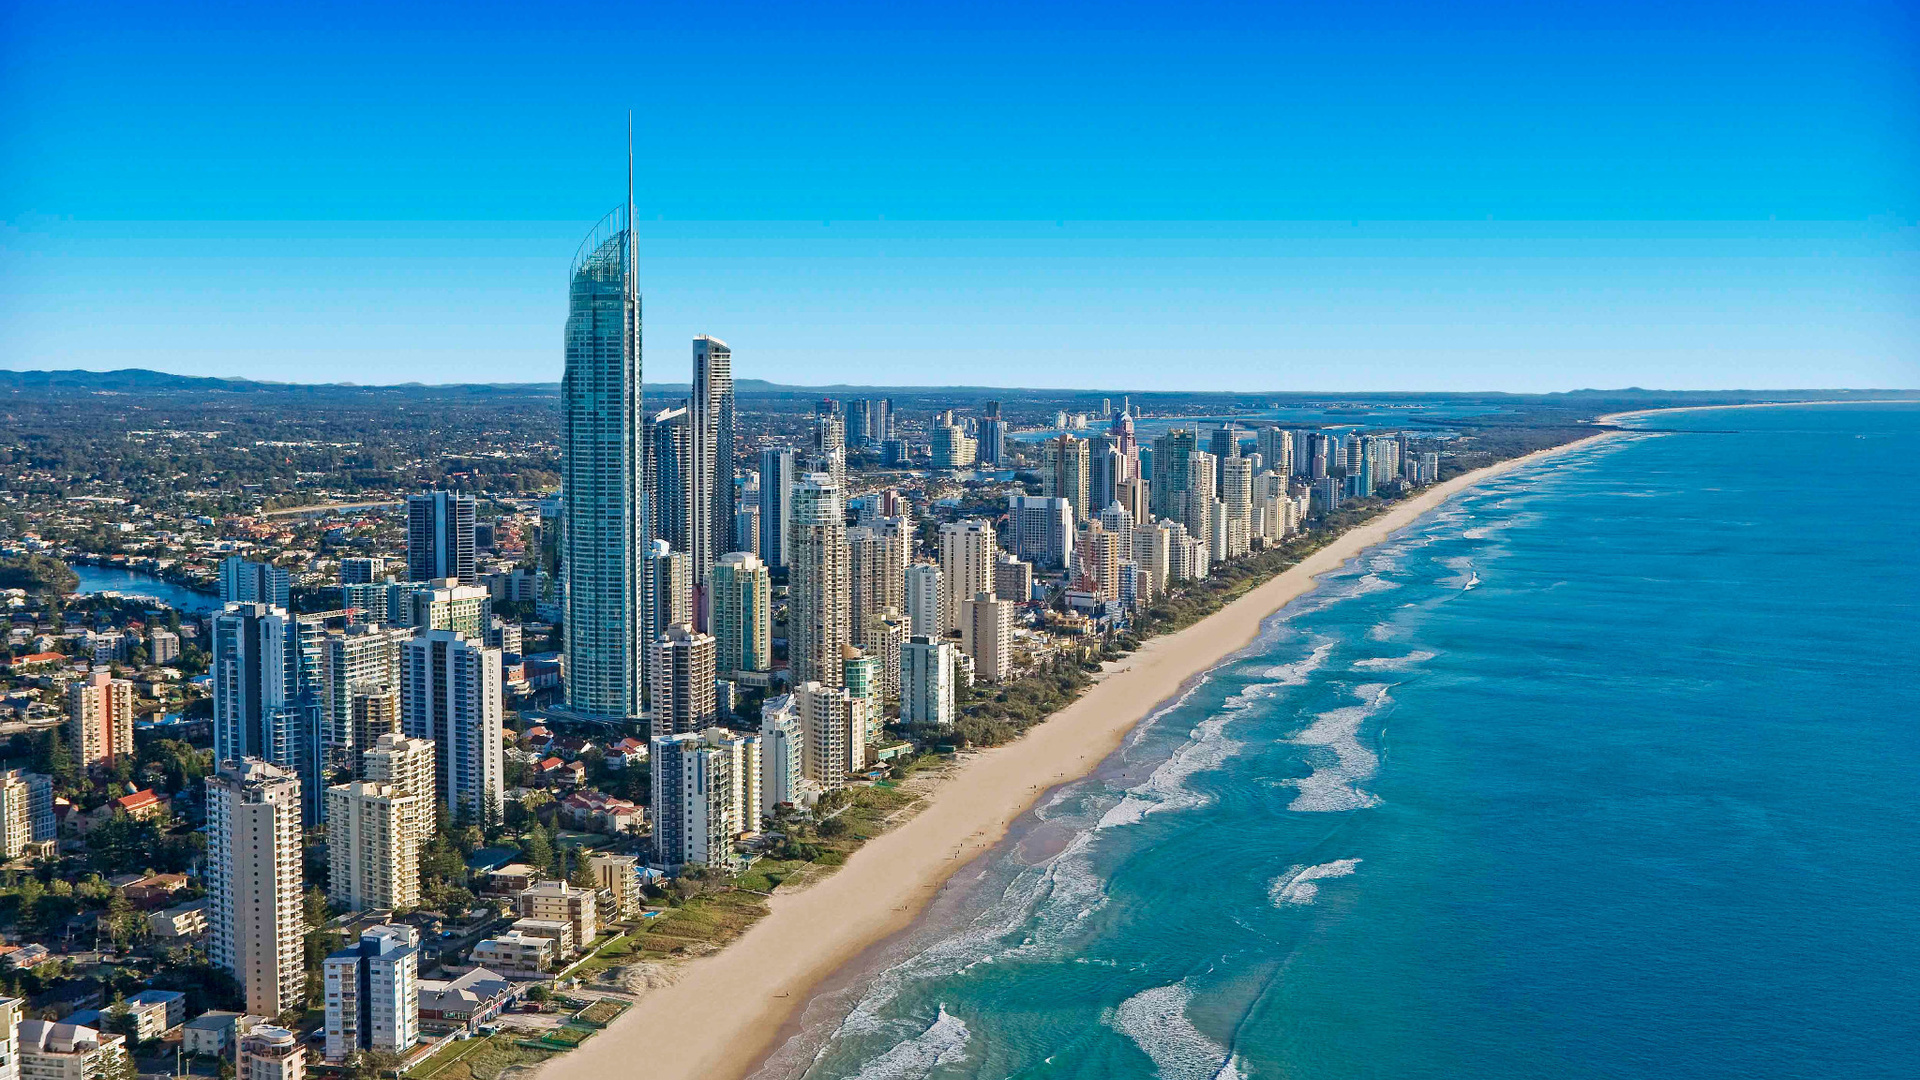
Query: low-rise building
(178, 922)
(156, 1012)
(213, 1034)
(561, 902)
(474, 998)
(619, 877)
(50, 1051)
(559, 931)
(516, 954)
(270, 1053)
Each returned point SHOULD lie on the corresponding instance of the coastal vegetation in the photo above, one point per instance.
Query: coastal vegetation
(38, 573)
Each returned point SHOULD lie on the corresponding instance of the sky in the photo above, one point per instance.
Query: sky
(1284, 197)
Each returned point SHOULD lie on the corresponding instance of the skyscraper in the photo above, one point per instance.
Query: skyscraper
(406, 764)
(827, 731)
(776, 512)
(711, 438)
(682, 672)
(354, 662)
(986, 635)
(1042, 528)
(817, 611)
(450, 695)
(373, 849)
(926, 601)
(26, 812)
(742, 618)
(1064, 473)
(246, 582)
(967, 551)
(876, 571)
(254, 921)
(706, 791)
(257, 707)
(926, 682)
(440, 536)
(1169, 481)
(603, 466)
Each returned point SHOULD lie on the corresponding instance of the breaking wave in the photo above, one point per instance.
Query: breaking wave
(1344, 761)
(1156, 1021)
(944, 1042)
(1299, 885)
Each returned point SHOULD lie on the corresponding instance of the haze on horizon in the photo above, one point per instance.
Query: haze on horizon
(1360, 197)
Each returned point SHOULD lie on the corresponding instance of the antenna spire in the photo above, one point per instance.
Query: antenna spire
(629, 168)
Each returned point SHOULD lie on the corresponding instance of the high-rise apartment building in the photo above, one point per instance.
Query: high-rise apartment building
(362, 569)
(440, 537)
(817, 610)
(373, 846)
(1275, 446)
(603, 457)
(741, 598)
(668, 477)
(445, 604)
(99, 719)
(1171, 476)
(373, 712)
(860, 674)
(26, 812)
(245, 582)
(706, 793)
(259, 709)
(683, 673)
(450, 695)
(926, 681)
(782, 746)
(712, 434)
(1042, 528)
(886, 632)
(1153, 551)
(876, 575)
(1012, 578)
(406, 764)
(986, 635)
(668, 598)
(255, 925)
(373, 994)
(831, 732)
(1064, 467)
(776, 507)
(967, 551)
(1236, 506)
(356, 662)
(926, 601)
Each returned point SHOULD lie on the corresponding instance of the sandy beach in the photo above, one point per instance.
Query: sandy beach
(721, 1017)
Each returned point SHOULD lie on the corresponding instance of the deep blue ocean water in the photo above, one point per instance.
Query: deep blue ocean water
(1610, 768)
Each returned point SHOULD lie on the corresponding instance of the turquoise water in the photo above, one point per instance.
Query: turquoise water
(1607, 769)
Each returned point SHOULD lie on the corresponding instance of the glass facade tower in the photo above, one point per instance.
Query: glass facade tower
(604, 447)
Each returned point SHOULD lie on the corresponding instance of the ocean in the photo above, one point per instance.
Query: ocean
(1608, 768)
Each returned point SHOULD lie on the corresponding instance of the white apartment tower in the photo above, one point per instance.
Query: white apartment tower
(926, 601)
(926, 681)
(450, 695)
(373, 993)
(255, 924)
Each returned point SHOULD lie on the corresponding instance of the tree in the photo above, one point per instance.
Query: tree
(537, 847)
(583, 874)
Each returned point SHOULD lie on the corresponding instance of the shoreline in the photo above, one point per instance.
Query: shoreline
(747, 995)
(1632, 413)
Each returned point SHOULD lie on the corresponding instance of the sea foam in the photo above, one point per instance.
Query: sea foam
(1156, 1020)
(1332, 785)
(944, 1042)
(1299, 885)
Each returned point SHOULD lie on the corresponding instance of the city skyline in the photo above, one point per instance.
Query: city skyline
(1708, 198)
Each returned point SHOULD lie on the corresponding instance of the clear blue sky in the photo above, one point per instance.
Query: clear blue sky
(1513, 196)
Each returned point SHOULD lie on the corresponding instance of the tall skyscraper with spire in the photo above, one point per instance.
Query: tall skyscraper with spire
(712, 431)
(604, 451)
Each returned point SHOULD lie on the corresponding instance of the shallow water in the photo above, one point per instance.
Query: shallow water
(1606, 769)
